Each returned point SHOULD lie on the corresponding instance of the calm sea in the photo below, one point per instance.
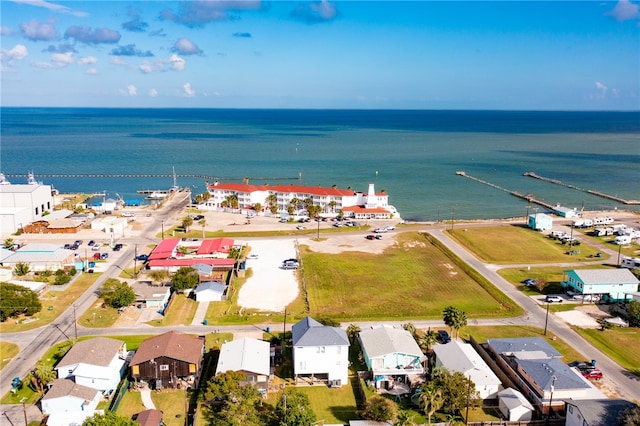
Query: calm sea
(413, 155)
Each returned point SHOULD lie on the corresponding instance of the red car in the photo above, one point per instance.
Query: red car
(592, 374)
(96, 256)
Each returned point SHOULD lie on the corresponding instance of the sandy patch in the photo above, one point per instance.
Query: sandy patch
(338, 243)
(578, 318)
(270, 288)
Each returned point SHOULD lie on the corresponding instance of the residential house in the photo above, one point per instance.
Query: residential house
(210, 291)
(67, 400)
(599, 412)
(150, 418)
(320, 353)
(612, 284)
(251, 357)
(537, 369)
(461, 357)
(172, 359)
(391, 354)
(151, 296)
(97, 363)
(514, 406)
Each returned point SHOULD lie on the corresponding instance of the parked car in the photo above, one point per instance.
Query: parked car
(443, 336)
(289, 266)
(103, 256)
(142, 257)
(96, 256)
(67, 247)
(378, 237)
(390, 227)
(117, 247)
(592, 374)
(292, 260)
(95, 247)
(370, 237)
(198, 217)
(283, 220)
(551, 299)
(529, 282)
(91, 243)
(380, 230)
(299, 227)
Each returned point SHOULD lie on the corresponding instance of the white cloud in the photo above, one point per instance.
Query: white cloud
(132, 90)
(625, 10)
(61, 60)
(16, 53)
(52, 7)
(602, 88)
(116, 60)
(188, 91)
(91, 71)
(153, 92)
(6, 31)
(177, 63)
(88, 60)
(184, 46)
(39, 31)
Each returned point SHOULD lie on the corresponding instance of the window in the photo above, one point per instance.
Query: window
(164, 367)
(320, 350)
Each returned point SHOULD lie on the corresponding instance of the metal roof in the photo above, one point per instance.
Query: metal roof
(309, 332)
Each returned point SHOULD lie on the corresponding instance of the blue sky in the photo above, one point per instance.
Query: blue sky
(536, 55)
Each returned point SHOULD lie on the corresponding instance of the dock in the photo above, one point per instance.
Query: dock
(527, 197)
(588, 191)
(151, 175)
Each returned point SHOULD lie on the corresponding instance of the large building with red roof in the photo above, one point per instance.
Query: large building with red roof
(174, 253)
(361, 205)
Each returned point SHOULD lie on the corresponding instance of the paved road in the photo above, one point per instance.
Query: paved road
(34, 343)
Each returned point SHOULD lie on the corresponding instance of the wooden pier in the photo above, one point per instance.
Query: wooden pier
(588, 191)
(527, 197)
(149, 175)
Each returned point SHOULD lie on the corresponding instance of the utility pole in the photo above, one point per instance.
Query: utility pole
(546, 319)
(75, 323)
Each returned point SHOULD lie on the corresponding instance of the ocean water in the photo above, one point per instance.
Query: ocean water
(413, 155)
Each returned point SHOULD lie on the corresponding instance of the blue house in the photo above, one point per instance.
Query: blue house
(612, 284)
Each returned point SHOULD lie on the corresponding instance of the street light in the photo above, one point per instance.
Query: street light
(162, 221)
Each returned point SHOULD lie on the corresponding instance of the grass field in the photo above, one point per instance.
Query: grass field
(7, 351)
(180, 312)
(516, 244)
(98, 316)
(552, 275)
(170, 402)
(54, 302)
(413, 279)
(616, 343)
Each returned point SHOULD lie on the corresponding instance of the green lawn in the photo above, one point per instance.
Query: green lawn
(170, 402)
(180, 312)
(413, 279)
(98, 316)
(616, 343)
(552, 275)
(517, 244)
(54, 302)
(7, 352)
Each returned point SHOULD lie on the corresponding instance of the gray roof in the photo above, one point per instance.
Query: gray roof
(67, 387)
(99, 351)
(512, 398)
(383, 340)
(601, 412)
(513, 346)
(215, 286)
(542, 371)
(309, 332)
(41, 252)
(605, 276)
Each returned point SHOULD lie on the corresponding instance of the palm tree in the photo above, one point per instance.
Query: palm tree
(21, 269)
(332, 205)
(257, 207)
(431, 398)
(429, 339)
(206, 196)
(232, 201)
(410, 328)
(294, 202)
(187, 221)
(203, 223)
(158, 275)
(43, 374)
(353, 330)
(271, 200)
(405, 418)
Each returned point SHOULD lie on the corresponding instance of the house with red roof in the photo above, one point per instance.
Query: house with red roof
(170, 255)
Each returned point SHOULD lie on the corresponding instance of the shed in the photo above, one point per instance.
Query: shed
(514, 406)
(210, 291)
(540, 221)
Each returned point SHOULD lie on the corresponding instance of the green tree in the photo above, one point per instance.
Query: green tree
(203, 223)
(240, 408)
(21, 269)
(332, 205)
(8, 243)
(232, 201)
(109, 418)
(272, 200)
(404, 418)
(294, 409)
(633, 313)
(206, 196)
(187, 221)
(44, 374)
(410, 328)
(16, 300)
(454, 318)
(431, 400)
(221, 385)
(630, 417)
(314, 211)
(257, 207)
(455, 389)
(428, 340)
(184, 278)
(353, 331)
(117, 294)
(379, 408)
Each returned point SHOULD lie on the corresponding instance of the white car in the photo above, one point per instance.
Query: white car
(551, 298)
(380, 230)
(252, 256)
(390, 227)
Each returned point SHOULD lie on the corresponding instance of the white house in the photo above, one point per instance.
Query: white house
(110, 225)
(151, 296)
(459, 356)
(248, 356)
(22, 204)
(612, 284)
(210, 291)
(97, 363)
(391, 354)
(514, 406)
(540, 221)
(67, 398)
(320, 352)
